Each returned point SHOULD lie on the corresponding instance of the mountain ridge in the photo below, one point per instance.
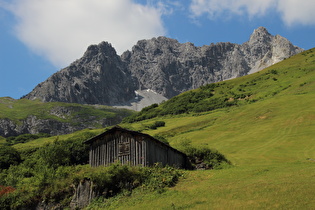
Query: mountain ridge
(55, 118)
(160, 64)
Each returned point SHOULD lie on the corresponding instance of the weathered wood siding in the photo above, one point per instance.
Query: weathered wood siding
(160, 153)
(129, 148)
(122, 147)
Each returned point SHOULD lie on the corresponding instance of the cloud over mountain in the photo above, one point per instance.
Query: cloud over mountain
(60, 30)
(291, 11)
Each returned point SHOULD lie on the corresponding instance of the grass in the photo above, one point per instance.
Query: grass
(37, 143)
(280, 186)
(270, 142)
(272, 130)
(17, 110)
(2, 140)
(294, 76)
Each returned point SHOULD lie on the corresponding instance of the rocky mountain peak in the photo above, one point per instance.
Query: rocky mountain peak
(99, 77)
(102, 48)
(155, 46)
(161, 65)
(260, 35)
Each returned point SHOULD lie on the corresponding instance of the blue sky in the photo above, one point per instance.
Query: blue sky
(40, 37)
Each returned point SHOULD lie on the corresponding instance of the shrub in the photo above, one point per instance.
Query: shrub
(209, 87)
(110, 181)
(273, 71)
(64, 153)
(6, 190)
(25, 138)
(203, 157)
(161, 138)
(38, 182)
(8, 156)
(156, 124)
(123, 179)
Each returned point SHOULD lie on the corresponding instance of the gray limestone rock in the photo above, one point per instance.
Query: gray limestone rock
(168, 67)
(99, 77)
(58, 125)
(161, 65)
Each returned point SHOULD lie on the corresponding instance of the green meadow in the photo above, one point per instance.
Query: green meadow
(270, 142)
(17, 110)
(271, 145)
(264, 123)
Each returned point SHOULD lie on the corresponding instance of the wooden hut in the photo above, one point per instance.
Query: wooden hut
(131, 147)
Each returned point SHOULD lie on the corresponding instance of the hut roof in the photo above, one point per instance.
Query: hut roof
(136, 133)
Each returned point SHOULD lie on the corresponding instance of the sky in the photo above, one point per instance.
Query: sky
(40, 37)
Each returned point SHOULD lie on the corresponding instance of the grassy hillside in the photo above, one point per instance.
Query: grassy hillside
(22, 116)
(20, 109)
(263, 123)
(81, 135)
(270, 141)
(293, 76)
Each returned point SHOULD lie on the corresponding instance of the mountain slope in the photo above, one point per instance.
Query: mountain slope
(169, 68)
(55, 118)
(270, 142)
(293, 74)
(99, 77)
(162, 65)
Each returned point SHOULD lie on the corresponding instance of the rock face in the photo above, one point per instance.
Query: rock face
(83, 194)
(99, 77)
(57, 119)
(169, 68)
(35, 125)
(162, 65)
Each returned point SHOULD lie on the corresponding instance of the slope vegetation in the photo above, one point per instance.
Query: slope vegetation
(292, 77)
(162, 65)
(55, 118)
(268, 135)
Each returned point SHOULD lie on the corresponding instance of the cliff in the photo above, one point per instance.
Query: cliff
(162, 65)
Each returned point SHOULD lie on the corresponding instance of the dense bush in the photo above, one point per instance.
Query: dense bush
(55, 185)
(156, 125)
(8, 156)
(203, 157)
(63, 153)
(199, 100)
(49, 172)
(122, 180)
(146, 113)
(161, 138)
(25, 138)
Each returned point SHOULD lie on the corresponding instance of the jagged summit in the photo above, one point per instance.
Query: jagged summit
(161, 65)
(99, 77)
(102, 48)
(260, 34)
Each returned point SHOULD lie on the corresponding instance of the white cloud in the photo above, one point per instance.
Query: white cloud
(61, 30)
(297, 11)
(215, 8)
(291, 11)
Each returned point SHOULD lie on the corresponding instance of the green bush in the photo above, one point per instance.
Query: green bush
(48, 173)
(202, 156)
(161, 138)
(121, 180)
(63, 153)
(8, 156)
(156, 124)
(25, 138)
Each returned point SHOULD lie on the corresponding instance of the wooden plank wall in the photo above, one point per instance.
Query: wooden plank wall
(106, 150)
(159, 153)
(133, 150)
